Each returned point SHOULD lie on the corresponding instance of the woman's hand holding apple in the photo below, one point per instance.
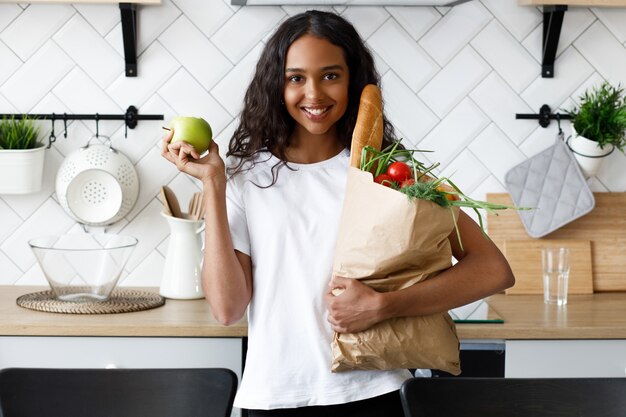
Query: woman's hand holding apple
(208, 168)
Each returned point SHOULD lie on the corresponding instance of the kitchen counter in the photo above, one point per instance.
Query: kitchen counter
(526, 317)
(177, 318)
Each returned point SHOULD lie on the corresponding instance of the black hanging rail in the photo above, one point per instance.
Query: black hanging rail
(130, 119)
(544, 116)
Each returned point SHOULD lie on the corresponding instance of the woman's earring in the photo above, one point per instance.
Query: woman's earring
(282, 102)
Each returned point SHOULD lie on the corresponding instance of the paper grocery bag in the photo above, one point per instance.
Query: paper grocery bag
(390, 242)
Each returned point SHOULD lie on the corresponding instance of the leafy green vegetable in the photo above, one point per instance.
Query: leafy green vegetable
(441, 191)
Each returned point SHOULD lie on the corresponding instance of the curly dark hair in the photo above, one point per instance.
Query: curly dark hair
(265, 124)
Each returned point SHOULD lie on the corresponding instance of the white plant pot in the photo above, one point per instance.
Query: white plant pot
(21, 170)
(587, 153)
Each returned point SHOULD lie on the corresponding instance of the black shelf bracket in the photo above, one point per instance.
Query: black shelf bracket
(552, 23)
(128, 12)
(544, 116)
(130, 119)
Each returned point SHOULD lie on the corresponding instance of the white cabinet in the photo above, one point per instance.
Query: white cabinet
(565, 358)
(120, 352)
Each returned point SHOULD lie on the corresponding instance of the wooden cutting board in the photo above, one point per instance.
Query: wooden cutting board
(524, 256)
(604, 227)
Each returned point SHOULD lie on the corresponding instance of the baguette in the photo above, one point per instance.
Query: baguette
(368, 130)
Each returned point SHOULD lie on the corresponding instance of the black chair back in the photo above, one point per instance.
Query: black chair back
(514, 397)
(33, 392)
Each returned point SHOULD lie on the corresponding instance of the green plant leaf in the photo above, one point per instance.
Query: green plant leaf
(19, 133)
(601, 115)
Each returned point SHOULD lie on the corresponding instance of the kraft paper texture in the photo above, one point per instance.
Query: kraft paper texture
(390, 242)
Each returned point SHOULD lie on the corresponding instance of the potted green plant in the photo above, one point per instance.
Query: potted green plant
(21, 156)
(598, 126)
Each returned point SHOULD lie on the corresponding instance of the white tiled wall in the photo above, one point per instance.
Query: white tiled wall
(453, 79)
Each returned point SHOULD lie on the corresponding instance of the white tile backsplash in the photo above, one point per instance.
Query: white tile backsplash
(81, 94)
(611, 172)
(403, 55)
(41, 21)
(498, 100)
(231, 89)
(604, 52)
(90, 51)
(10, 62)
(10, 220)
(415, 20)
(455, 132)
(496, 151)
(10, 272)
(406, 111)
(187, 97)
(155, 66)
(366, 19)
(614, 20)
(245, 29)
(453, 80)
(207, 19)
(103, 17)
(8, 12)
(466, 171)
(195, 52)
(49, 219)
(455, 30)
(40, 73)
(519, 21)
(507, 57)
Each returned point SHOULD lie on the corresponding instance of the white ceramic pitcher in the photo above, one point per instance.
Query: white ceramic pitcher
(182, 275)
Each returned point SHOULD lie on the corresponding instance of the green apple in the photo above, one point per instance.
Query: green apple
(193, 130)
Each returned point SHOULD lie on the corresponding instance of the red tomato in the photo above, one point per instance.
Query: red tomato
(406, 183)
(384, 179)
(399, 171)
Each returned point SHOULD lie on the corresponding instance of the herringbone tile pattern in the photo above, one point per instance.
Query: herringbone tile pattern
(453, 80)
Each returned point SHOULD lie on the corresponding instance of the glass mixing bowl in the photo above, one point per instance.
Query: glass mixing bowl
(83, 267)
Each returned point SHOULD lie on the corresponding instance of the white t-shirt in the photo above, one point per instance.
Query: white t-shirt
(289, 230)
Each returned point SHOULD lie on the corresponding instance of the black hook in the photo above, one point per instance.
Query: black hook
(97, 125)
(52, 138)
(558, 123)
(65, 125)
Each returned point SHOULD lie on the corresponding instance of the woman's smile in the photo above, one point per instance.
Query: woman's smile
(316, 113)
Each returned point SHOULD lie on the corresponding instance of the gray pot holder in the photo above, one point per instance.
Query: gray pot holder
(550, 182)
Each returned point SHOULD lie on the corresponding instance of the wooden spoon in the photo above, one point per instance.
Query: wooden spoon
(172, 202)
(166, 206)
(196, 212)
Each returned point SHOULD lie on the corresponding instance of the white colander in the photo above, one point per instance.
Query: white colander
(97, 185)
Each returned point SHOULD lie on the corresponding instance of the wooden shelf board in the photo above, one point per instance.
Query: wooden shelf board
(585, 3)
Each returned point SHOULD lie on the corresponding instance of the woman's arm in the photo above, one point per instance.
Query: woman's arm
(481, 271)
(226, 273)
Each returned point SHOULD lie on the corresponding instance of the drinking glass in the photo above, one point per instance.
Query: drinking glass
(555, 275)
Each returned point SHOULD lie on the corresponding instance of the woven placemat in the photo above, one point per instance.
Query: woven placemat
(122, 300)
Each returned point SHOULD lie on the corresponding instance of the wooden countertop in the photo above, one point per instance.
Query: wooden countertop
(586, 3)
(593, 316)
(177, 318)
(597, 316)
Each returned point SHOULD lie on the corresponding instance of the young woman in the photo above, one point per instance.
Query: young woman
(271, 229)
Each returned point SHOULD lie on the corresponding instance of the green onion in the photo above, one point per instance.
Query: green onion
(430, 189)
